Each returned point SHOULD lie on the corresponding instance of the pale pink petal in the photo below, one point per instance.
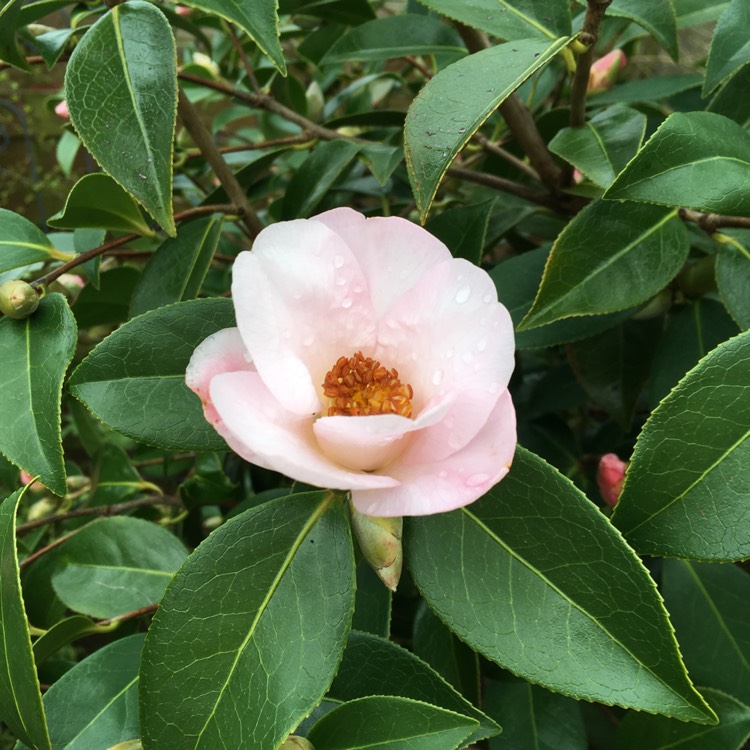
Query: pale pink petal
(458, 480)
(450, 335)
(370, 443)
(259, 425)
(393, 253)
(301, 303)
(223, 351)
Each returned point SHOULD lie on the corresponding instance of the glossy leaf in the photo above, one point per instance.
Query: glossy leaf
(94, 705)
(177, 269)
(52, 44)
(390, 723)
(395, 36)
(604, 145)
(647, 90)
(258, 18)
(696, 159)
(375, 666)
(281, 573)
(127, 59)
(659, 733)
(730, 47)
(96, 200)
(134, 381)
(23, 243)
(64, 632)
(509, 19)
(9, 21)
(610, 257)
(116, 565)
(463, 229)
(708, 606)
(733, 279)
(686, 491)
(694, 12)
(20, 699)
(34, 355)
(517, 281)
(691, 332)
(535, 578)
(455, 103)
(729, 100)
(656, 16)
(372, 610)
(316, 176)
(109, 302)
(533, 718)
(115, 478)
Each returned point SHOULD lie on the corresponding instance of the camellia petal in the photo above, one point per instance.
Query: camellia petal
(458, 480)
(285, 441)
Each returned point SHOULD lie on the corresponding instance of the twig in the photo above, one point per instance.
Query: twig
(506, 186)
(519, 164)
(147, 610)
(205, 142)
(99, 511)
(271, 143)
(190, 213)
(243, 58)
(425, 71)
(711, 222)
(44, 550)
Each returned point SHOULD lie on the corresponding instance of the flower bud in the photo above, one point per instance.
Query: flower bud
(380, 542)
(25, 478)
(610, 476)
(604, 71)
(61, 110)
(294, 742)
(18, 299)
(43, 508)
(69, 284)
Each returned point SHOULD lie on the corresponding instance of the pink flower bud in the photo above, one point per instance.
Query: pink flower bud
(181, 10)
(578, 177)
(62, 110)
(25, 478)
(604, 71)
(610, 476)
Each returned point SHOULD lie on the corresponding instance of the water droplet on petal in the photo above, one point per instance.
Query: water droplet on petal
(493, 388)
(487, 299)
(437, 377)
(338, 261)
(346, 303)
(449, 353)
(476, 479)
(340, 281)
(482, 344)
(467, 357)
(463, 294)
(443, 474)
(308, 340)
(454, 442)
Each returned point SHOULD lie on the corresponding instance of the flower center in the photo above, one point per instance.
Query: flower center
(358, 386)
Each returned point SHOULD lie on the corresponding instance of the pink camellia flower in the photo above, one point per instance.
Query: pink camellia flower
(610, 476)
(605, 70)
(62, 109)
(367, 359)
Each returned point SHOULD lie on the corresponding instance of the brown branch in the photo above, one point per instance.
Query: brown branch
(519, 121)
(243, 58)
(190, 213)
(588, 36)
(506, 186)
(711, 222)
(44, 550)
(423, 69)
(147, 610)
(271, 143)
(205, 142)
(519, 164)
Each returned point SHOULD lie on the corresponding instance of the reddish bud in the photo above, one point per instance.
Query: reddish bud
(605, 70)
(610, 476)
(62, 110)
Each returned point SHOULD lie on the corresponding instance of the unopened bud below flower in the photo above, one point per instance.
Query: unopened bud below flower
(18, 299)
(61, 109)
(380, 542)
(605, 70)
(610, 476)
(294, 742)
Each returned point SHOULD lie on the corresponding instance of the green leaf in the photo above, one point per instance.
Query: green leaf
(23, 243)
(610, 257)
(463, 229)
(730, 100)
(375, 666)
(134, 381)
(116, 565)
(691, 332)
(9, 22)
(372, 610)
(696, 159)
(708, 603)
(177, 269)
(257, 18)
(687, 489)
(652, 89)
(602, 148)
(533, 718)
(659, 733)
(94, 705)
(96, 200)
(64, 632)
(448, 656)
(121, 88)
(535, 578)
(315, 177)
(509, 19)
(395, 36)
(109, 302)
(730, 47)
(34, 355)
(733, 279)
(656, 16)
(390, 724)
(213, 672)
(455, 103)
(20, 698)
(694, 12)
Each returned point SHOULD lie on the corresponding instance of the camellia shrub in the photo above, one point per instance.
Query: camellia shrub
(383, 379)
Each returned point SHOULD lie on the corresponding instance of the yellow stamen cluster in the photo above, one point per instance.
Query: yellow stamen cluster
(358, 386)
